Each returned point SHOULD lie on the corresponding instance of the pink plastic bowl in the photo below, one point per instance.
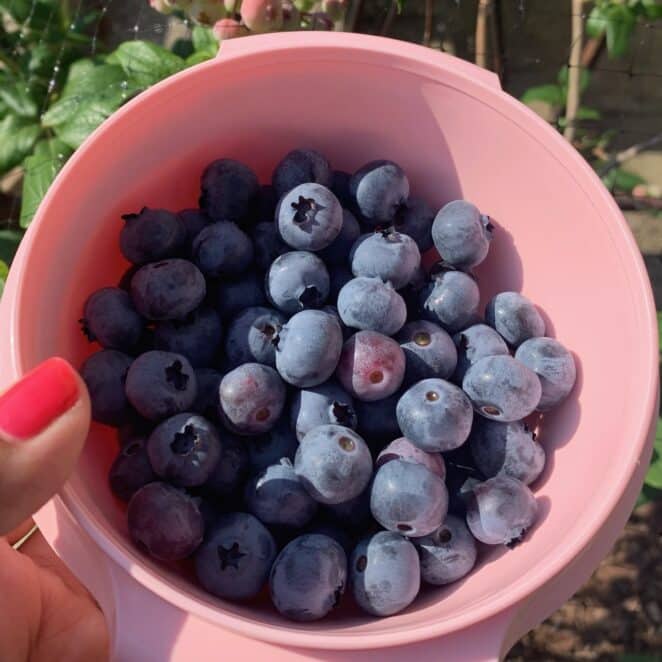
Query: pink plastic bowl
(561, 241)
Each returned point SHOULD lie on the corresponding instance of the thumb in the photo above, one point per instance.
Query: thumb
(44, 420)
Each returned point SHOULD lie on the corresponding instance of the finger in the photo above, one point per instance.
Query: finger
(20, 531)
(44, 420)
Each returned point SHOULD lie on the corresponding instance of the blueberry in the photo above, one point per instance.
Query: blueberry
(501, 510)
(298, 167)
(161, 384)
(403, 449)
(340, 187)
(230, 469)
(151, 235)
(167, 290)
(333, 463)
(276, 496)
(339, 276)
(337, 251)
(269, 448)
(105, 373)
(506, 449)
(197, 336)
(429, 351)
(447, 554)
(555, 368)
(267, 244)
(408, 498)
(333, 311)
(415, 219)
(385, 574)
(236, 556)
(308, 577)
(377, 420)
(379, 189)
(131, 470)
(194, 220)
(252, 398)
(250, 336)
(435, 415)
(235, 295)
(184, 449)
(134, 429)
(369, 304)
(502, 388)
(461, 234)
(309, 217)
(389, 255)
(474, 343)
(308, 348)
(514, 317)
(266, 203)
(321, 405)
(206, 399)
(450, 299)
(165, 522)
(110, 318)
(297, 280)
(222, 249)
(228, 190)
(371, 366)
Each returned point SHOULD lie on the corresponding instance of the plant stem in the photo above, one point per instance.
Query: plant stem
(630, 152)
(354, 15)
(427, 26)
(388, 19)
(574, 69)
(628, 202)
(591, 50)
(484, 10)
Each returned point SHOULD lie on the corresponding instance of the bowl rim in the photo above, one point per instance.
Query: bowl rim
(456, 74)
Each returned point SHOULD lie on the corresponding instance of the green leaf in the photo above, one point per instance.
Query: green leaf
(9, 241)
(596, 23)
(584, 113)
(17, 136)
(33, 14)
(203, 39)
(88, 84)
(40, 171)
(183, 48)
(584, 79)
(4, 271)
(620, 23)
(622, 180)
(652, 8)
(146, 63)
(19, 99)
(198, 57)
(551, 94)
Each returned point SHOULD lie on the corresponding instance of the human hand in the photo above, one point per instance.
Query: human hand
(46, 614)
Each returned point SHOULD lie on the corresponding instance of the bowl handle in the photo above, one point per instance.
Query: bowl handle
(290, 42)
(145, 628)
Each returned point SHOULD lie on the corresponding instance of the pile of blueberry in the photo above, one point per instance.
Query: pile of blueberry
(301, 404)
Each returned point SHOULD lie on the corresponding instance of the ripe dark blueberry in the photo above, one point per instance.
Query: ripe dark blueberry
(308, 577)
(161, 384)
(450, 299)
(165, 522)
(222, 249)
(231, 467)
(298, 167)
(167, 290)
(384, 573)
(379, 189)
(474, 343)
(206, 399)
(235, 559)
(270, 447)
(194, 220)
(267, 244)
(250, 336)
(105, 373)
(297, 280)
(429, 351)
(228, 190)
(403, 449)
(184, 449)
(197, 336)
(337, 251)
(514, 317)
(236, 294)
(151, 235)
(131, 470)
(110, 318)
(415, 219)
